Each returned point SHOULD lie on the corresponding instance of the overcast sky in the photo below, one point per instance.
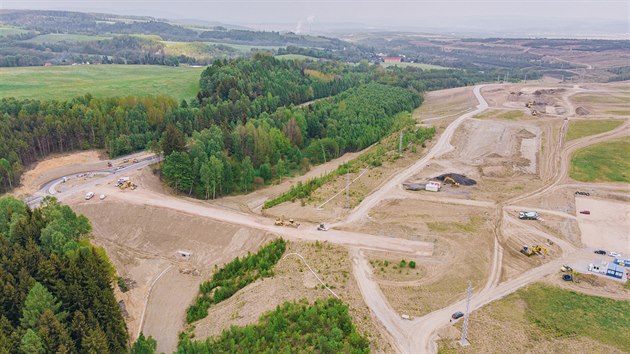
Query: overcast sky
(497, 15)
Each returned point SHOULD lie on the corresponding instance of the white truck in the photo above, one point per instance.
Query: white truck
(89, 195)
(528, 215)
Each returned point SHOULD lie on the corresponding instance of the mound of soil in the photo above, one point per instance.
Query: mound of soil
(461, 179)
(581, 111)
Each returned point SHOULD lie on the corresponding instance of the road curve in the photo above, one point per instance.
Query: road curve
(442, 146)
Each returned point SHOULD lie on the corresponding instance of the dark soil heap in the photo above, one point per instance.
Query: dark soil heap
(461, 179)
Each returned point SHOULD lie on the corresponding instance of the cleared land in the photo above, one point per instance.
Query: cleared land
(545, 319)
(604, 162)
(579, 129)
(63, 82)
(607, 225)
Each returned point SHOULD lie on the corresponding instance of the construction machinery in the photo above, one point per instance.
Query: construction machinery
(566, 268)
(528, 215)
(128, 184)
(109, 164)
(453, 182)
(322, 227)
(536, 249)
(530, 104)
(290, 223)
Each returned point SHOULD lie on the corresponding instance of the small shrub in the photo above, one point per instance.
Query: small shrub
(412, 264)
(403, 263)
(122, 284)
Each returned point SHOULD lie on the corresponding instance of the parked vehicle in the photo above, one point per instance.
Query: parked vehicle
(614, 254)
(322, 227)
(582, 193)
(89, 195)
(457, 315)
(528, 215)
(587, 212)
(600, 252)
(102, 196)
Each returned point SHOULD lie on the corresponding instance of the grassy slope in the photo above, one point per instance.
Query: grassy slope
(509, 115)
(8, 30)
(604, 162)
(416, 65)
(295, 56)
(62, 82)
(579, 129)
(63, 37)
(542, 318)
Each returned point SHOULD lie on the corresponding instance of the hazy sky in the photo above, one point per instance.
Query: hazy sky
(498, 15)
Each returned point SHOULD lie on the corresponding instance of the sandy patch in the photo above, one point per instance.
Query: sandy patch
(608, 225)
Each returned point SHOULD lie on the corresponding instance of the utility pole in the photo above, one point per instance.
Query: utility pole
(348, 190)
(464, 340)
(400, 144)
(323, 151)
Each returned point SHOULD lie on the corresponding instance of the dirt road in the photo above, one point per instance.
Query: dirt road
(441, 147)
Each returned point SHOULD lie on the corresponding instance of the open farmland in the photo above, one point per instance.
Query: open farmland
(62, 82)
(602, 162)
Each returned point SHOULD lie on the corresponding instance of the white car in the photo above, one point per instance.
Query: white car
(614, 254)
(89, 195)
(102, 196)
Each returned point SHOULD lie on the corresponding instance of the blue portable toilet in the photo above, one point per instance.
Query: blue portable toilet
(615, 271)
(623, 262)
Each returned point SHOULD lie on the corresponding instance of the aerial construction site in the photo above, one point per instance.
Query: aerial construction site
(492, 200)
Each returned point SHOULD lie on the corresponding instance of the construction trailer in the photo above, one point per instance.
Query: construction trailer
(598, 268)
(615, 271)
(433, 186)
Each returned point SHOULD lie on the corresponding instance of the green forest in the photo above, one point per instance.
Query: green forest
(253, 121)
(322, 327)
(55, 288)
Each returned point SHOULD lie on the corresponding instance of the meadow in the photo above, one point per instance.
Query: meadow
(604, 162)
(579, 129)
(63, 82)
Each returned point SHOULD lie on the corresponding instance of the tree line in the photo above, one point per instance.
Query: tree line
(322, 327)
(55, 288)
(234, 276)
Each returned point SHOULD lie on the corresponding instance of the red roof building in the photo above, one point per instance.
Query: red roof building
(392, 59)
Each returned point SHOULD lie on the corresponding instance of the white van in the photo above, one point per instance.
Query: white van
(89, 195)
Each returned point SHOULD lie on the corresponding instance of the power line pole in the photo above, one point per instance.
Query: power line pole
(400, 144)
(348, 190)
(464, 340)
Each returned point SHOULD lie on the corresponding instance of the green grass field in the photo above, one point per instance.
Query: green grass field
(8, 30)
(494, 114)
(62, 82)
(63, 37)
(582, 128)
(245, 48)
(604, 162)
(295, 57)
(415, 65)
(547, 319)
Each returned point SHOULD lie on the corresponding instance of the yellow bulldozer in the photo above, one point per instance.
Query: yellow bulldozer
(453, 182)
(537, 249)
(128, 184)
(290, 223)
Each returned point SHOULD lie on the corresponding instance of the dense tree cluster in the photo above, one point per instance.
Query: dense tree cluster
(269, 147)
(234, 276)
(322, 327)
(55, 288)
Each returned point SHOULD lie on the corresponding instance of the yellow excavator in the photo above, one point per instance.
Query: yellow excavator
(537, 249)
(540, 250)
(453, 182)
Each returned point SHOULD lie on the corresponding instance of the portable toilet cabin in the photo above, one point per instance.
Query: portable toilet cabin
(615, 271)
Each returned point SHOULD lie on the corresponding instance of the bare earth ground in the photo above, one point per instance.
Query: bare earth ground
(57, 166)
(607, 226)
(454, 229)
(142, 250)
(293, 281)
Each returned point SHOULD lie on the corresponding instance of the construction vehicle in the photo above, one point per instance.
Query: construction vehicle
(565, 268)
(530, 104)
(536, 249)
(534, 112)
(527, 251)
(128, 184)
(540, 250)
(291, 223)
(453, 182)
(109, 164)
(322, 227)
(528, 215)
